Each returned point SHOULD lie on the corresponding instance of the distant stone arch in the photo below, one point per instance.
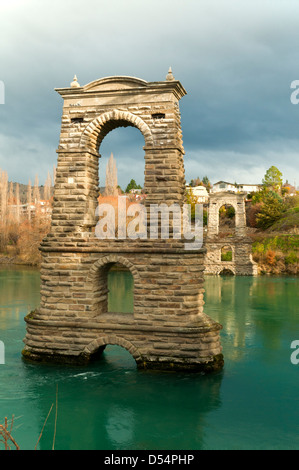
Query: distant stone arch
(227, 272)
(227, 217)
(241, 262)
(96, 130)
(227, 253)
(218, 200)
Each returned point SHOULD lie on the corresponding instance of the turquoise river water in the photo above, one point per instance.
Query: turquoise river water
(253, 403)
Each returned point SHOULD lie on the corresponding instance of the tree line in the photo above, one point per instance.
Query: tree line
(24, 216)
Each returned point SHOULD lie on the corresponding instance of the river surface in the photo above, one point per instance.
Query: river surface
(253, 403)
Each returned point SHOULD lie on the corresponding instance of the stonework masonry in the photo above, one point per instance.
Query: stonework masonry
(239, 243)
(168, 328)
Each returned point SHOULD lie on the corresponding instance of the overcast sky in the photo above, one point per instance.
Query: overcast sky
(235, 58)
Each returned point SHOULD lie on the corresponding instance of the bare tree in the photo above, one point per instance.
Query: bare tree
(36, 193)
(111, 178)
(4, 209)
(17, 203)
(4, 196)
(54, 174)
(10, 202)
(29, 199)
(11, 195)
(47, 187)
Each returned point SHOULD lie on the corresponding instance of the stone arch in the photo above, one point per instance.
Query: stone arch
(227, 271)
(96, 130)
(218, 200)
(227, 218)
(225, 202)
(112, 259)
(226, 248)
(98, 282)
(99, 343)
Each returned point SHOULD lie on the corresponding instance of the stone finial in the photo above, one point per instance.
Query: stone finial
(75, 83)
(169, 76)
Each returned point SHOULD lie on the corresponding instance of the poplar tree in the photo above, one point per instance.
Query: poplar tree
(4, 203)
(18, 203)
(111, 178)
(11, 195)
(29, 199)
(47, 187)
(36, 193)
(4, 196)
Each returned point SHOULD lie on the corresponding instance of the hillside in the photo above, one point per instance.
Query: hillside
(276, 249)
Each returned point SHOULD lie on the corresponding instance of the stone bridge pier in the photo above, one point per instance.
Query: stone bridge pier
(167, 328)
(237, 243)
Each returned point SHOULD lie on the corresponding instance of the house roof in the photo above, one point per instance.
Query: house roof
(226, 182)
(239, 184)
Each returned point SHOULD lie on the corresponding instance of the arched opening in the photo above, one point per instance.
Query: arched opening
(126, 147)
(120, 285)
(227, 219)
(112, 285)
(226, 253)
(226, 272)
(116, 357)
(97, 346)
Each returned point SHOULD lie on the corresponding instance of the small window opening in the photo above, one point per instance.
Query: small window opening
(77, 119)
(158, 116)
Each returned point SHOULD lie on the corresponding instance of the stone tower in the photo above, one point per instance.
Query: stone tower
(168, 328)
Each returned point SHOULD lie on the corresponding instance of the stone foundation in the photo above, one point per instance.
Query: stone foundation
(167, 329)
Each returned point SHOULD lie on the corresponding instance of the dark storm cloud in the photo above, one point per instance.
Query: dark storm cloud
(235, 59)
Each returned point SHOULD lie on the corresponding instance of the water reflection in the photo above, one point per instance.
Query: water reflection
(121, 291)
(120, 426)
(19, 293)
(111, 405)
(253, 311)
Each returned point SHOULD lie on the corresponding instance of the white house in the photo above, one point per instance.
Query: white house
(200, 192)
(249, 188)
(221, 186)
(224, 186)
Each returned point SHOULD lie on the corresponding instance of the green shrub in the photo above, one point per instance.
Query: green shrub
(228, 256)
(270, 212)
(291, 258)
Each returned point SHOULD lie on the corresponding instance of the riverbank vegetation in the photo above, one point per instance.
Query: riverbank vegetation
(25, 217)
(277, 254)
(274, 214)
